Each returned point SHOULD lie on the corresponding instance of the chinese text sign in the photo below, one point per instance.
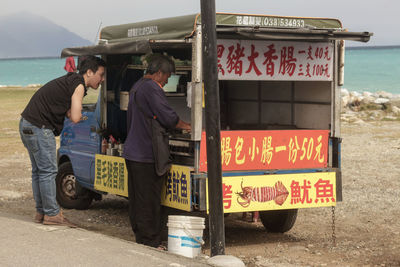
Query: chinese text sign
(111, 175)
(264, 150)
(176, 189)
(274, 60)
(279, 191)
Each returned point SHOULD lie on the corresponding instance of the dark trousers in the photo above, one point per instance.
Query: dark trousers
(144, 188)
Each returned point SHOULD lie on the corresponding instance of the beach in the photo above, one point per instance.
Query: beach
(365, 225)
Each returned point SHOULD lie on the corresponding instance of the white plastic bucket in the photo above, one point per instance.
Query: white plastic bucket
(185, 235)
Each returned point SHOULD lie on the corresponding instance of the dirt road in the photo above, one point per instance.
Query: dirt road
(367, 222)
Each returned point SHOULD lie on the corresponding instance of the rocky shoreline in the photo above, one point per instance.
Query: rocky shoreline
(356, 107)
(366, 106)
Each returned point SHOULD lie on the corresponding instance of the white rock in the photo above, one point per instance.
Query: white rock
(359, 122)
(344, 92)
(367, 94)
(381, 100)
(395, 102)
(345, 101)
(225, 260)
(357, 98)
(368, 99)
(354, 93)
(396, 110)
(383, 94)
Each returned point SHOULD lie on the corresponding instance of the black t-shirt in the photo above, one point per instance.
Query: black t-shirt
(49, 105)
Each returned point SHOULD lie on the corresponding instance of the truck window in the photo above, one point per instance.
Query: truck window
(172, 85)
(91, 97)
(90, 100)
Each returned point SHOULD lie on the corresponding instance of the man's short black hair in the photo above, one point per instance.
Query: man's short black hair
(161, 63)
(90, 63)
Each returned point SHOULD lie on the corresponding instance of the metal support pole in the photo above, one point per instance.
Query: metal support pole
(212, 110)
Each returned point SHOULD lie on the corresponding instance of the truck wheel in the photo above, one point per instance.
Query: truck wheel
(278, 221)
(66, 189)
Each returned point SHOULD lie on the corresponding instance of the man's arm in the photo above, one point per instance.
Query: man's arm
(76, 104)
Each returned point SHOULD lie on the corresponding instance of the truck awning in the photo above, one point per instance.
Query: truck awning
(292, 34)
(126, 47)
(144, 46)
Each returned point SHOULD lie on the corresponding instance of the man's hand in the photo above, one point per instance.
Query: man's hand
(184, 126)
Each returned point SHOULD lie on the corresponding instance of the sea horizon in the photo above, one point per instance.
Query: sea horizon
(367, 69)
(347, 48)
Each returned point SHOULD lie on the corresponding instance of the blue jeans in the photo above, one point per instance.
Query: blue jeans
(41, 145)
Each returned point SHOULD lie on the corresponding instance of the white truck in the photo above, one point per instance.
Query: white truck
(279, 82)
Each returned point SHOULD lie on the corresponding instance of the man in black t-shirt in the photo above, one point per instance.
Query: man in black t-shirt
(42, 120)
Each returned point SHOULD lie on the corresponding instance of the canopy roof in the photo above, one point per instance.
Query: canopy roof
(184, 26)
(133, 38)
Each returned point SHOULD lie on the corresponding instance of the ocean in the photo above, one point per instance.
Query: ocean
(372, 69)
(366, 69)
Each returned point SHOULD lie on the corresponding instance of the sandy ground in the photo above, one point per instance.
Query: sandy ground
(367, 225)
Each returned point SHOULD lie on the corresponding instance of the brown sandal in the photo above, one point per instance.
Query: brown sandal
(162, 248)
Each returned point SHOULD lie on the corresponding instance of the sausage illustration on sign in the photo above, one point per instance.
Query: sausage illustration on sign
(278, 193)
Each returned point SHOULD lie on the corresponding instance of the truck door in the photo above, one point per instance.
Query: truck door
(85, 142)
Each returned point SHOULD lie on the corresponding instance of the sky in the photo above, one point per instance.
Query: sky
(84, 17)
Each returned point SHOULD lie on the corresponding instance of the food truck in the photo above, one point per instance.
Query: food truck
(279, 89)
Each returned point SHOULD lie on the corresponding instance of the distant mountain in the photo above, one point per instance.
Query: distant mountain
(27, 35)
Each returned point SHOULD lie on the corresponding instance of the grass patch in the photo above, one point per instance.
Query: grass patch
(14, 100)
(391, 119)
(12, 103)
(369, 106)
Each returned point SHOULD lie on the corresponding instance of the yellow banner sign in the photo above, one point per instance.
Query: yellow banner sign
(278, 191)
(111, 175)
(176, 190)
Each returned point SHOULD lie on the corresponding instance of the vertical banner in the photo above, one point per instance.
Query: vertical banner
(111, 175)
(176, 191)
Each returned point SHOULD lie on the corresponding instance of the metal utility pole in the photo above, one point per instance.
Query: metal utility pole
(212, 110)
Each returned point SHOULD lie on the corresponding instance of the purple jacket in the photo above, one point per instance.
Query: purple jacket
(152, 100)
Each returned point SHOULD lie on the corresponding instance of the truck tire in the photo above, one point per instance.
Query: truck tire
(66, 189)
(278, 221)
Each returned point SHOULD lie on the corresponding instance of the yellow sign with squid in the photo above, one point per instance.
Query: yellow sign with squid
(278, 191)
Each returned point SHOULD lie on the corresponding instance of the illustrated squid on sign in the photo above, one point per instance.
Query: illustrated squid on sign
(278, 193)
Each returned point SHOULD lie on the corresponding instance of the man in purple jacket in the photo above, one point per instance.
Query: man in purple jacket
(144, 185)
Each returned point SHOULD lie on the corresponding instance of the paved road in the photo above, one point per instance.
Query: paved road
(25, 243)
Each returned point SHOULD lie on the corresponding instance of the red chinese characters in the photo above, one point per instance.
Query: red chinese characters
(274, 60)
(259, 150)
(300, 193)
(324, 191)
(227, 195)
(270, 57)
(220, 52)
(288, 62)
(253, 65)
(235, 59)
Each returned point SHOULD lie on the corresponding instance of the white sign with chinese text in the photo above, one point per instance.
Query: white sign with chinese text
(274, 60)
